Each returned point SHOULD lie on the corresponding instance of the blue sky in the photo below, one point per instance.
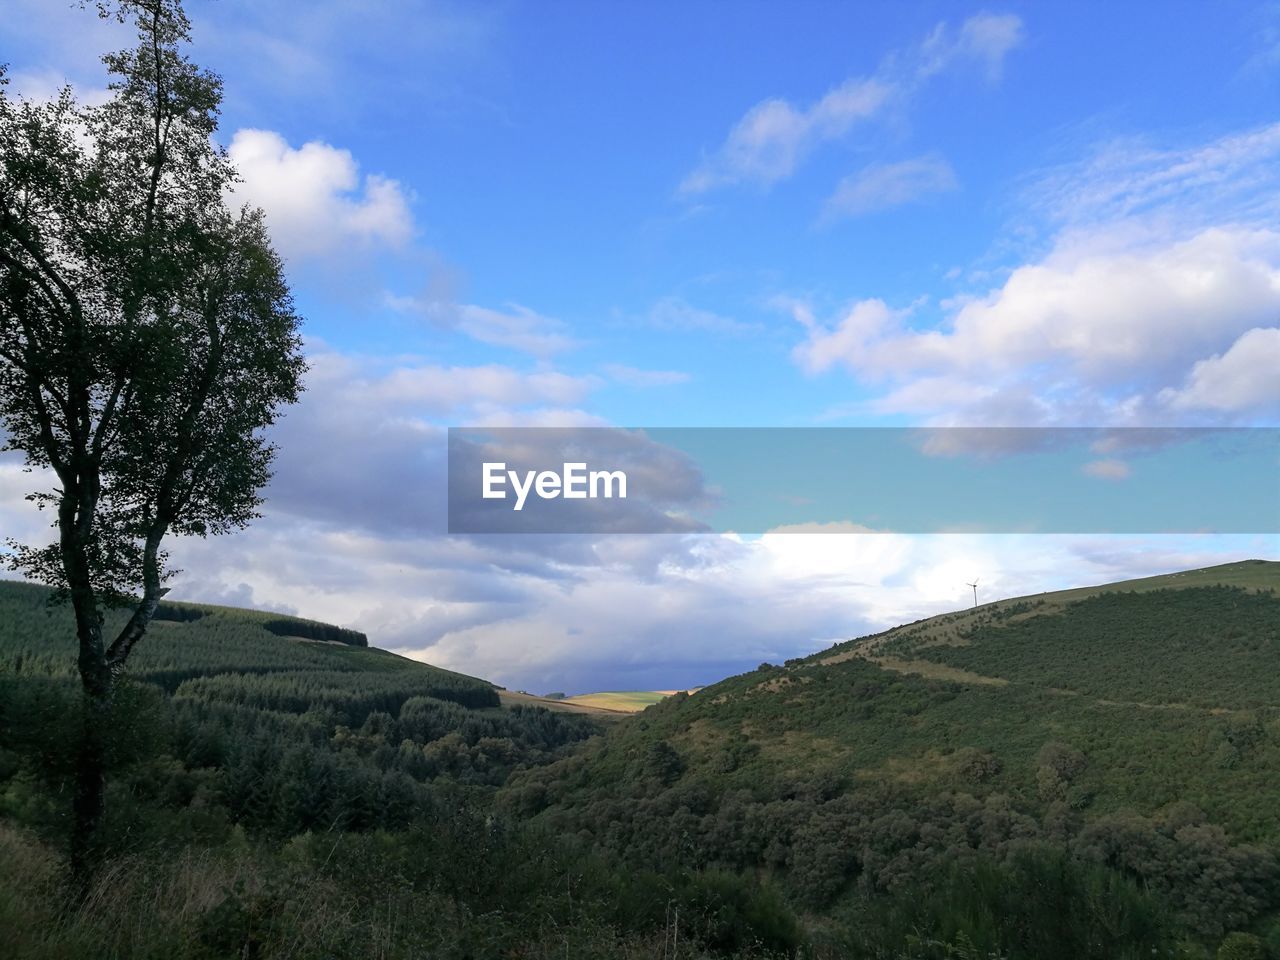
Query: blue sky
(707, 214)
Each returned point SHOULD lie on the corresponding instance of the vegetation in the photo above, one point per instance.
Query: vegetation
(865, 788)
(147, 340)
(278, 797)
(628, 701)
(1216, 647)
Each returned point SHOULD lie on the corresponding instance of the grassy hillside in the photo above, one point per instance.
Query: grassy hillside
(606, 705)
(627, 701)
(1134, 727)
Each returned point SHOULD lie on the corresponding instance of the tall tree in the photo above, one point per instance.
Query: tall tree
(147, 339)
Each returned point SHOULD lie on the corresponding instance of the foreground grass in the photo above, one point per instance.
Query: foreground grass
(306, 901)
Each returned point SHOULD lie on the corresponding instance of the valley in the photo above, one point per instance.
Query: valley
(1114, 747)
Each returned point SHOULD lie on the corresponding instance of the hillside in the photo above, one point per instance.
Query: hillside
(1083, 774)
(1101, 640)
(1132, 726)
(261, 705)
(624, 701)
(198, 643)
(273, 793)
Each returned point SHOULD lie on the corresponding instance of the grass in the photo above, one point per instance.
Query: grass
(606, 705)
(627, 701)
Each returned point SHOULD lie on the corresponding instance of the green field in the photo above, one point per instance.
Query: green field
(627, 701)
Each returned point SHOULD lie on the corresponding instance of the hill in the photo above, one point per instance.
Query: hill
(266, 702)
(274, 793)
(1085, 775)
(1133, 727)
(203, 646)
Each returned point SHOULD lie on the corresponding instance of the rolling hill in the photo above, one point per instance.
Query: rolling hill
(267, 706)
(197, 644)
(1131, 726)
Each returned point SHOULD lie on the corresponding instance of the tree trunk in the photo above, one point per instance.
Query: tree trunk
(91, 758)
(90, 795)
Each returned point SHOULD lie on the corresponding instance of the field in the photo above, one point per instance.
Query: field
(628, 701)
(607, 705)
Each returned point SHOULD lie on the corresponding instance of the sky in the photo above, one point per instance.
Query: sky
(713, 215)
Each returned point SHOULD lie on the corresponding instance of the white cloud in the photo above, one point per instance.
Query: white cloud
(769, 142)
(516, 327)
(41, 86)
(635, 377)
(986, 38)
(1245, 378)
(1232, 178)
(316, 201)
(881, 186)
(1091, 334)
(675, 313)
(774, 137)
(339, 385)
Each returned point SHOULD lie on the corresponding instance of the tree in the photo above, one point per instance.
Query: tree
(147, 340)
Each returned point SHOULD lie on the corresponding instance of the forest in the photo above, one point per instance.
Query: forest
(273, 795)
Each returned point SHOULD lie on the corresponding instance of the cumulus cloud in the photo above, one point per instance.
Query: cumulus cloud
(1245, 378)
(1086, 333)
(317, 202)
(775, 136)
(881, 186)
(1154, 301)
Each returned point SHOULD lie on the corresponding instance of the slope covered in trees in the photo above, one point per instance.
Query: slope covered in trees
(901, 781)
(1077, 775)
(274, 796)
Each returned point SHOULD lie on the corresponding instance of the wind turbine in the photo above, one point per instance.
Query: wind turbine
(975, 590)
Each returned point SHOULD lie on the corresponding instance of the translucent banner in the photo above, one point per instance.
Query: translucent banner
(840, 480)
